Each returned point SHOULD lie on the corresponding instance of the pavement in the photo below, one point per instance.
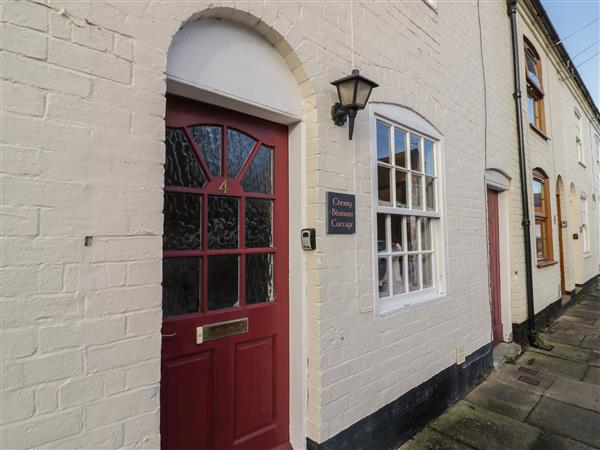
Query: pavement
(544, 400)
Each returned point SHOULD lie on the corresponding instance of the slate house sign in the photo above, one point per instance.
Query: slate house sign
(341, 213)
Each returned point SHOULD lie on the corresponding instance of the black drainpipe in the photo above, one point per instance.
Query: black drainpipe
(532, 334)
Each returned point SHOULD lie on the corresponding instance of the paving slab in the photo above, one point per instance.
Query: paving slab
(551, 441)
(513, 375)
(558, 366)
(504, 399)
(567, 420)
(566, 352)
(592, 375)
(482, 429)
(583, 311)
(570, 337)
(566, 317)
(429, 439)
(578, 393)
(594, 359)
(591, 343)
(593, 305)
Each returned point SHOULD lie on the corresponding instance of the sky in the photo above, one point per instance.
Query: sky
(568, 16)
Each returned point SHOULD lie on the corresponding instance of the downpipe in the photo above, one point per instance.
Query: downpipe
(532, 331)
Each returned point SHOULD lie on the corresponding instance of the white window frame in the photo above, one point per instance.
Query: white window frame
(578, 138)
(409, 121)
(585, 228)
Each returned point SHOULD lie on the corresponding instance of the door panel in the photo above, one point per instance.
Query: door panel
(494, 256)
(225, 261)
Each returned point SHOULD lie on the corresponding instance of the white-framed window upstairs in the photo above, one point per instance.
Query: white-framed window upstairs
(407, 207)
(578, 141)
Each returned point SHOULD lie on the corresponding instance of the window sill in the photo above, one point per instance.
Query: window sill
(587, 255)
(546, 263)
(539, 132)
(391, 306)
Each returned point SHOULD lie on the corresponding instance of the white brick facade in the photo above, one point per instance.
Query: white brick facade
(83, 87)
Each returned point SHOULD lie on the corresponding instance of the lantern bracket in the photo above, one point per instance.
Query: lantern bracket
(339, 114)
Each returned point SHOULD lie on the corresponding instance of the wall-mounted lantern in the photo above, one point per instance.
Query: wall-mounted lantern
(353, 91)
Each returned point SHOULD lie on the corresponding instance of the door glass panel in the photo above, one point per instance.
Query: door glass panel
(223, 281)
(223, 223)
(180, 286)
(398, 274)
(239, 146)
(181, 166)
(259, 176)
(397, 222)
(208, 140)
(259, 278)
(182, 214)
(259, 223)
(383, 181)
(413, 272)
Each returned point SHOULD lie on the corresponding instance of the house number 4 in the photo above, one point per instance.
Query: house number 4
(224, 188)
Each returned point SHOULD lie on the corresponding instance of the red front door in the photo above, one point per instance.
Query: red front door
(494, 255)
(224, 378)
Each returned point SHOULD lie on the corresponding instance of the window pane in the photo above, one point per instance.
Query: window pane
(384, 282)
(181, 166)
(429, 162)
(259, 176)
(208, 140)
(540, 239)
(427, 271)
(398, 275)
(381, 236)
(413, 273)
(383, 142)
(239, 146)
(401, 189)
(538, 197)
(426, 243)
(383, 181)
(259, 222)
(182, 221)
(430, 194)
(397, 226)
(417, 192)
(400, 147)
(531, 108)
(222, 222)
(223, 281)
(259, 278)
(180, 286)
(411, 233)
(415, 153)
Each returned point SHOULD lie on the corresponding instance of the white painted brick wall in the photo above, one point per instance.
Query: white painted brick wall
(83, 104)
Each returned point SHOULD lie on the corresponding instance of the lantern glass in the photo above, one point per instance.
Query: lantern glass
(363, 92)
(346, 92)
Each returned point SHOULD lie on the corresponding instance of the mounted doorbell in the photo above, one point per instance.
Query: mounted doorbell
(308, 239)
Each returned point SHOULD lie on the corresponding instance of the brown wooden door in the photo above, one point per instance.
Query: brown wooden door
(225, 291)
(563, 285)
(494, 264)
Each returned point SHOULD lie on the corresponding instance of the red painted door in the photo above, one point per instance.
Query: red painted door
(225, 351)
(494, 265)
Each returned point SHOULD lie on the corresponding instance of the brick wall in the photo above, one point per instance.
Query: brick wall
(83, 89)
